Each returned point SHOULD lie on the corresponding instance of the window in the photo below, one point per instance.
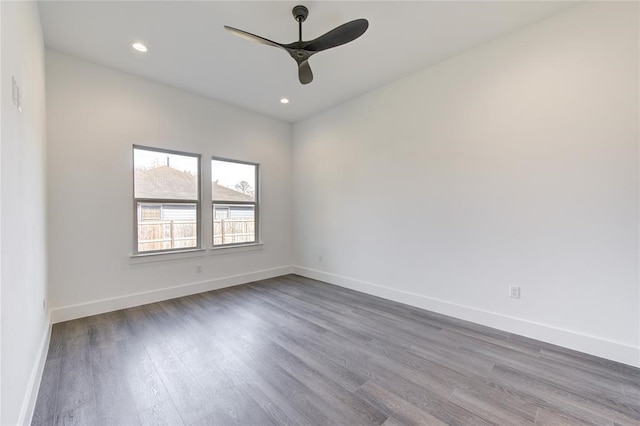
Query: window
(166, 200)
(234, 192)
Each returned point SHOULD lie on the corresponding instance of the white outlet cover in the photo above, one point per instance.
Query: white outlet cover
(19, 103)
(14, 90)
(514, 292)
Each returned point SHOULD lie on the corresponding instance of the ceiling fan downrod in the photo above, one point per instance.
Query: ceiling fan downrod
(300, 14)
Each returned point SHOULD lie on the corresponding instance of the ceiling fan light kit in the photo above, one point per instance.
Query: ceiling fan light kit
(301, 50)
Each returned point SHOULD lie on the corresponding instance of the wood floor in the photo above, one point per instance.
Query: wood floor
(295, 351)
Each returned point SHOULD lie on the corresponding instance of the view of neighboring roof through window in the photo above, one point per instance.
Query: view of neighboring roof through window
(166, 200)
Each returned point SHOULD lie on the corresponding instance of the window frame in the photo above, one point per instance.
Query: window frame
(136, 200)
(255, 204)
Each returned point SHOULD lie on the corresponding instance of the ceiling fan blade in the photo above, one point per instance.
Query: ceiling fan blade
(304, 72)
(252, 37)
(338, 36)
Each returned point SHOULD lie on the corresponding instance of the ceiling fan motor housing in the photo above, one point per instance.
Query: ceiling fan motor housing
(300, 13)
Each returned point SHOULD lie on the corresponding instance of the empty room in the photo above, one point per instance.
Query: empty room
(320, 213)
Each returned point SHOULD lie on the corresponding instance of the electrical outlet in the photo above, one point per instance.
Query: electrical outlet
(514, 292)
(19, 105)
(198, 269)
(15, 94)
(14, 91)
(320, 257)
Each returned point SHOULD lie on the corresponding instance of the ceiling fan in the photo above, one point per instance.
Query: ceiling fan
(301, 50)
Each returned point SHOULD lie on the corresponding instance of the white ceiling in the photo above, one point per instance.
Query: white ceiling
(189, 49)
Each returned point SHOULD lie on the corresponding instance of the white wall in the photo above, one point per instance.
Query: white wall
(515, 163)
(24, 323)
(95, 115)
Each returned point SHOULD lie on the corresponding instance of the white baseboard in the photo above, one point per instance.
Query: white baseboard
(67, 313)
(593, 345)
(31, 394)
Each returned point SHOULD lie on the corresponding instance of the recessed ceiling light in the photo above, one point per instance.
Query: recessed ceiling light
(284, 101)
(139, 46)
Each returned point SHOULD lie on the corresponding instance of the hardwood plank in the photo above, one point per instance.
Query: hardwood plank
(351, 409)
(255, 351)
(76, 380)
(606, 368)
(143, 328)
(547, 417)
(492, 409)
(224, 359)
(162, 414)
(290, 341)
(166, 319)
(45, 408)
(344, 328)
(403, 313)
(62, 332)
(146, 387)
(342, 376)
(555, 398)
(229, 399)
(379, 322)
(80, 415)
(107, 328)
(218, 359)
(56, 342)
(113, 398)
(631, 392)
(391, 421)
(397, 408)
(191, 401)
(417, 389)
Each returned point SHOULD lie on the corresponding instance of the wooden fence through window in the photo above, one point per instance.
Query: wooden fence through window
(233, 231)
(173, 234)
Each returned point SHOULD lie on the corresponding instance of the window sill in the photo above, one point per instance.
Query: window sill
(135, 259)
(214, 251)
